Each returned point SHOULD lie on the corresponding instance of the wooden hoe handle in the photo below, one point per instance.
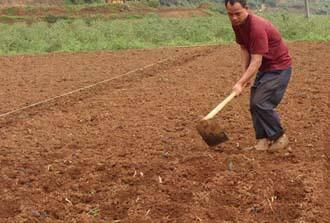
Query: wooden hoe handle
(220, 106)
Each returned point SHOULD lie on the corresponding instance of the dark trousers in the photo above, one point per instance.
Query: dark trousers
(266, 93)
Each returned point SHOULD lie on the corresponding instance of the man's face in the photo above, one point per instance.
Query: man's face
(237, 13)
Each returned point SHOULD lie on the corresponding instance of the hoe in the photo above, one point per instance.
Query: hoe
(210, 130)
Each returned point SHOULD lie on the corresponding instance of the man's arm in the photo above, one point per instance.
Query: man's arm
(251, 70)
(245, 58)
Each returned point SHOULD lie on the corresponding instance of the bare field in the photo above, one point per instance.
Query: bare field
(127, 150)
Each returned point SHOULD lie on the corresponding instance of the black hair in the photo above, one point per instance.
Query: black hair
(232, 2)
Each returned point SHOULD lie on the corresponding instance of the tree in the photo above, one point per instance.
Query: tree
(307, 8)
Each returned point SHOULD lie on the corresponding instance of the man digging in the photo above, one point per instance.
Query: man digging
(265, 54)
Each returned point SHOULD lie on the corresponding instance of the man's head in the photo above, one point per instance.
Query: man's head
(237, 11)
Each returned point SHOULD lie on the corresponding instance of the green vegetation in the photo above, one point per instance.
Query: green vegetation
(147, 32)
(321, 7)
(298, 28)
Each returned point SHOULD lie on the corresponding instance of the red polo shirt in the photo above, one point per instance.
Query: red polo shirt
(259, 36)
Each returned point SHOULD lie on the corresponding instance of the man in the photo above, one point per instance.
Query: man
(263, 52)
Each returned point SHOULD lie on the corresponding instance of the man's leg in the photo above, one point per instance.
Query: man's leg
(258, 127)
(266, 93)
(261, 136)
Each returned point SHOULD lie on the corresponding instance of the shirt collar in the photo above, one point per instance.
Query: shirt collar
(246, 21)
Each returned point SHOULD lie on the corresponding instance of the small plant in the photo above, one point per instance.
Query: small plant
(12, 11)
(94, 212)
(153, 3)
(51, 18)
(54, 19)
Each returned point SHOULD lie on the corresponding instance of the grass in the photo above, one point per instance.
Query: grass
(95, 33)
(298, 28)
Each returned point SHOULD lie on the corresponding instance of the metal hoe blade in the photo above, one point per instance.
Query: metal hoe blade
(211, 132)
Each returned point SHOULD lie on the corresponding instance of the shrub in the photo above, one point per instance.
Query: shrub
(153, 3)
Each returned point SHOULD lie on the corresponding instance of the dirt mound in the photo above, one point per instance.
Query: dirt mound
(56, 8)
(181, 12)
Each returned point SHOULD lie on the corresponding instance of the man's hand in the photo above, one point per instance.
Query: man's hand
(255, 63)
(238, 88)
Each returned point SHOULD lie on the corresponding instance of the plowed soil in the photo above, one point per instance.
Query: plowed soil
(127, 150)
